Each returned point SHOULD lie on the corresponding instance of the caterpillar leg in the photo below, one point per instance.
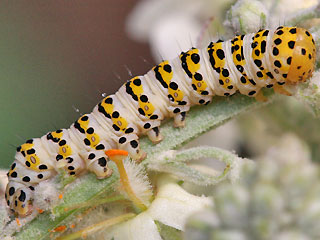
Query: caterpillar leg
(179, 112)
(154, 135)
(260, 97)
(152, 130)
(74, 164)
(281, 90)
(133, 148)
(179, 119)
(97, 162)
(130, 143)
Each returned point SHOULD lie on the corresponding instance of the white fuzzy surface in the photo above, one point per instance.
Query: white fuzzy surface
(46, 194)
(172, 206)
(139, 181)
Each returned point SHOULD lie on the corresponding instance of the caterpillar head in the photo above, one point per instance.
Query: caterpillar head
(18, 198)
(22, 203)
(293, 54)
(28, 169)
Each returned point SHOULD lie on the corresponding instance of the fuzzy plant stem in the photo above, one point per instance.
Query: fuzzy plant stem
(96, 227)
(118, 156)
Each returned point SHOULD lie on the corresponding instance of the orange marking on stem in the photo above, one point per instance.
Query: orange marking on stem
(60, 196)
(40, 210)
(18, 222)
(116, 152)
(61, 228)
(117, 156)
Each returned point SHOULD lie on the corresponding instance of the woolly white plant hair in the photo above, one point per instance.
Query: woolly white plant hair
(139, 181)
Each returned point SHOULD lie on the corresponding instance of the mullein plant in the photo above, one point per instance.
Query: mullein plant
(145, 198)
(155, 199)
(276, 198)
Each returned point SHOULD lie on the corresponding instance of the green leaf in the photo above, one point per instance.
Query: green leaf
(199, 120)
(168, 233)
(174, 163)
(85, 189)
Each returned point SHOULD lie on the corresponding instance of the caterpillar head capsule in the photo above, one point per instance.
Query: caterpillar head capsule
(293, 54)
(19, 198)
(22, 202)
(29, 168)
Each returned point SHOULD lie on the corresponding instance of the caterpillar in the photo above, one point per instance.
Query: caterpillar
(246, 63)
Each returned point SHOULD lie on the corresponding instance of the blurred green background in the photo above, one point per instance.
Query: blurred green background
(58, 54)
